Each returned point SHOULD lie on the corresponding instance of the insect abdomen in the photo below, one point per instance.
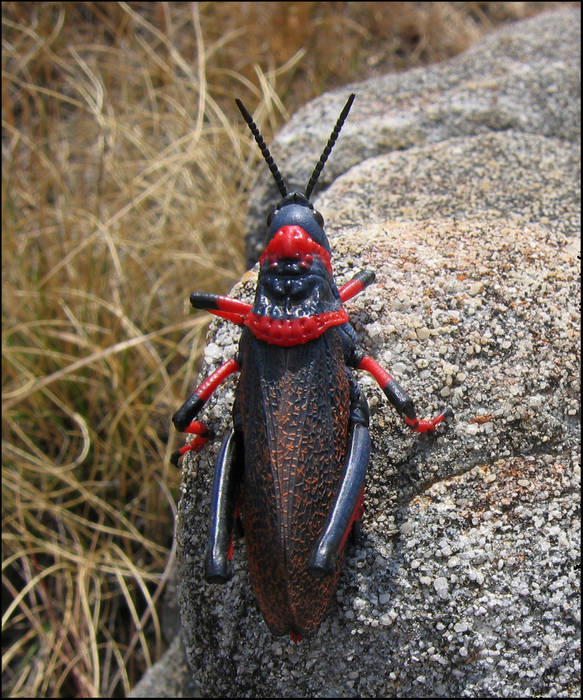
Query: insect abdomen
(294, 404)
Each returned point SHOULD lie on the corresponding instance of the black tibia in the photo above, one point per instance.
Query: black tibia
(400, 399)
(187, 412)
(228, 469)
(353, 356)
(204, 300)
(324, 557)
(190, 408)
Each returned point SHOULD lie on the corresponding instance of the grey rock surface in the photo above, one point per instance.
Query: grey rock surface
(523, 78)
(511, 176)
(466, 580)
(459, 185)
(169, 677)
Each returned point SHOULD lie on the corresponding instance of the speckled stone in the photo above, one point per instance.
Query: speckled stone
(465, 582)
(459, 185)
(511, 176)
(523, 80)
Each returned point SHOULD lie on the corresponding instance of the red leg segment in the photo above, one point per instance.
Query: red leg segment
(359, 282)
(184, 418)
(426, 426)
(209, 385)
(399, 397)
(195, 446)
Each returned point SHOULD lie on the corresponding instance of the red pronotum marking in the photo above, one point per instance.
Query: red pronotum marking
(294, 242)
(293, 331)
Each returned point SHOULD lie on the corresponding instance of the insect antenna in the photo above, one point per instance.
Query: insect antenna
(264, 150)
(326, 152)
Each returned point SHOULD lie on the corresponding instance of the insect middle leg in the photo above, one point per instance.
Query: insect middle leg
(400, 398)
(183, 419)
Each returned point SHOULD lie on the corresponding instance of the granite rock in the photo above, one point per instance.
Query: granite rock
(524, 79)
(465, 581)
(459, 184)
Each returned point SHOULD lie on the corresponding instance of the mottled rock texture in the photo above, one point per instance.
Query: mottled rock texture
(459, 184)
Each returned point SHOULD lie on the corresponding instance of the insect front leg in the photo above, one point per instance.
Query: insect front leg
(227, 478)
(233, 310)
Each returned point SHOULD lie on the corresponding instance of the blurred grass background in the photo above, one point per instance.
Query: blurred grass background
(125, 170)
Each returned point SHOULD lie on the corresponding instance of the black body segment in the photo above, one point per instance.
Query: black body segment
(294, 405)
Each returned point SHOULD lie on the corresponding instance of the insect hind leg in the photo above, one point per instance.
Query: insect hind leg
(219, 550)
(347, 506)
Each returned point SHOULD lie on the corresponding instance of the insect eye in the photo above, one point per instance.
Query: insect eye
(270, 217)
(319, 218)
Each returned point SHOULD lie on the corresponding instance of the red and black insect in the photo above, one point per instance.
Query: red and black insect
(291, 470)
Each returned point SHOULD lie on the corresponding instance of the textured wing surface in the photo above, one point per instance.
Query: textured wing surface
(294, 405)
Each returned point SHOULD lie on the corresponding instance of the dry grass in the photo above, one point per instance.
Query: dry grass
(125, 168)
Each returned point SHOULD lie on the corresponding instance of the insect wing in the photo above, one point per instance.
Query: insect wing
(294, 407)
